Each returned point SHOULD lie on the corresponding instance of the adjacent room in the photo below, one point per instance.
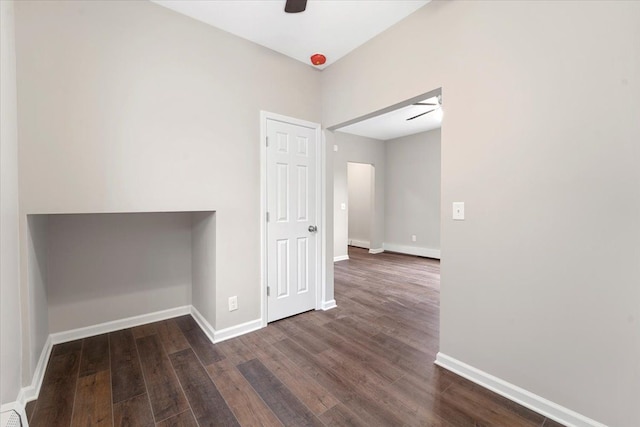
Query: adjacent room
(205, 220)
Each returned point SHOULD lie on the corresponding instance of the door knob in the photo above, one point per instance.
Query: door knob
(313, 229)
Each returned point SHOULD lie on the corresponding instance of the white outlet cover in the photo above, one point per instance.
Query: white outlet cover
(458, 211)
(343, 206)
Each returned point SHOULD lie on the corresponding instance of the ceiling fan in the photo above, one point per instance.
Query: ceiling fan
(438, 105)
(295, 6)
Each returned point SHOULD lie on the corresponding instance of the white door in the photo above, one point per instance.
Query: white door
(291, 214)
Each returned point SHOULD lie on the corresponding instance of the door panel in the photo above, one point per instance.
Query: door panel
(291, 208)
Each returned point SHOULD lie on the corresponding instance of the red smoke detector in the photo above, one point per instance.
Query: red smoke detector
(318, 59)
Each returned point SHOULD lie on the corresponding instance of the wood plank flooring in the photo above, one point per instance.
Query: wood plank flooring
(368, 362)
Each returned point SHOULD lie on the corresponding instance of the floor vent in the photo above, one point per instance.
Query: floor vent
(10, 419)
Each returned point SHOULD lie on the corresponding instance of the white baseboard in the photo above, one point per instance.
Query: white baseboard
(116, 325)
(340, 258)
(32, 391)
(376, 251)
(512, 392)
(328, 305)
(204, 324)
(7, 408)
(237, 330)
(412, 250)
(227, 333)
(365, 244)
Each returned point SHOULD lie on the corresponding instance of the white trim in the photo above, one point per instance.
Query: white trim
(17, 406)
(31, 392)
(412, 250)
(227, 333)
(512, 392)
(376, 251)
(22, 397)
(209, 331)
(323, 217)
(116, 325)
(321, 255)
(263, 217)
(340, 258)
(321, 258)
(237, 330)
(365, 244)
(328, 305)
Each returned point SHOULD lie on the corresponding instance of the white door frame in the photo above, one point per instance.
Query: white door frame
(321, 247)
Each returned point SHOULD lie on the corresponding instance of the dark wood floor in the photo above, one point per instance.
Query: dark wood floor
(368, 362)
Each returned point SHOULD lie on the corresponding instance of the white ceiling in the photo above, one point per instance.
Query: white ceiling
(394, 124)
(331, 27)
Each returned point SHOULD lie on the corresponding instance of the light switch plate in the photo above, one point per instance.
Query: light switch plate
(458, 211)
(343, 206)
(335, 148)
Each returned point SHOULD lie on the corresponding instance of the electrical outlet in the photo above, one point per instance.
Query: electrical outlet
(233, 303)
(343, 206)
(413, 238)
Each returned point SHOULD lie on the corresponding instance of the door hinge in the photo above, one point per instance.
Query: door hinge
(267, 141)
(267, 216)
(268, 291)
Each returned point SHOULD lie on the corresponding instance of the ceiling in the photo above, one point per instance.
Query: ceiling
(394, 124)
(331, 27)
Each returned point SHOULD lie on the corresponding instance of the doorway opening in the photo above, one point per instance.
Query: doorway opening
(401, 145)
(360, 203)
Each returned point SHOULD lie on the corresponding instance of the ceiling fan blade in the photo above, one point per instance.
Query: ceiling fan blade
(421, 114)
(424, 103)
(295, 6)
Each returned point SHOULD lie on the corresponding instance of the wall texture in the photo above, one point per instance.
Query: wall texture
(540, 282)
(159, 112)
(10, 326)
(412, 193)
(113, 266)
(360, 185)
(36, 316)
(203, 261)
(353, 148)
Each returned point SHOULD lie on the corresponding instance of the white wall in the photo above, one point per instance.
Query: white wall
(10, 327)
(36, 317)
(412, 193)
(360, 184)
(113, 266)
(143, 109)
(203, 264)
(353, 148)
(540, 282)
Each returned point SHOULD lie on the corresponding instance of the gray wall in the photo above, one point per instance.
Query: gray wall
(412, 193)
(360, 184)
(540, 282)
(203, 264)
(10, 338)
(113, 266)
(143, 109)
(353, 148)
(36, 317)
